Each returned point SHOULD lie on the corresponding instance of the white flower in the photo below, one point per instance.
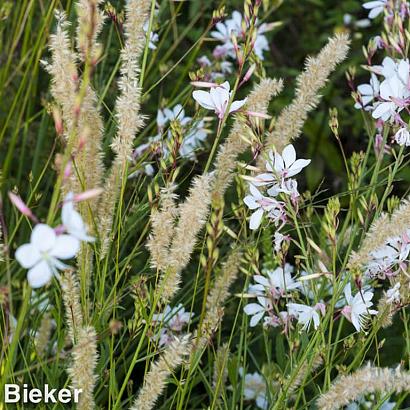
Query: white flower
(393, 93)
(286, 165)
(402, 136)
(72, 220)
(255, 389)
(376, 7)
(42, 255)
(394, 252)
(389, 68)
(204, 61)
(174, 318)
(257, 310)
(368, 92)
(277, 283)
(393, 294)
(278, 240)
(172, 321)
(259, 204)
(223, 33)
(306, 314)
(217, 99)
(357, 309)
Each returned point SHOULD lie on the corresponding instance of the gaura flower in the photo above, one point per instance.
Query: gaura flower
(174, 318)
(258, 310)
(255, 389)
(394, 94)
(402, 136)
(357, 309)
(172, 321)
(286, 165)
(276, 283)
(217, 99)
(368, 92)
(306, 314)
(259, 204)
(42, 255)
(393, 294)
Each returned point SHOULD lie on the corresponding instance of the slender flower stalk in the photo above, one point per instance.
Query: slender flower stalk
(82, 369)
(367, 380)
(127, 110)
(156, 379)
(226, 160)
(289, 124)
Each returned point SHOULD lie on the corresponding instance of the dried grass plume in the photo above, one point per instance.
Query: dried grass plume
(367, 380)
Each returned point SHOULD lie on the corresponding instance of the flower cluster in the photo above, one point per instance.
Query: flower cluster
(390, 259)
(236, 27)
(49, 246)
(194, 134)
(269, 290)
(387, 95)
(171, 322)
(231, 34)
(276, 288)
(278, 180)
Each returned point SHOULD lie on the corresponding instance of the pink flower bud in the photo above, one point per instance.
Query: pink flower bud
(58, 122)
(21, 206)
(67, 171)
(259, 115)
(249, 73)
(89, 194)
(204, 84)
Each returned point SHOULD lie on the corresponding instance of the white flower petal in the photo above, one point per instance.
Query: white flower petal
(252, 308)
(261, 280)
(297, 166)
(236, 105)
(255, 319)
(250, 202)
(203, 99)
(43, 237)
(365, 89)
(256, 219)
(255, 192)
(381, 110)
(27, 255)
(220, 98)
(375, 12)
(39, 275)
(289, 155)
(66, 247)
